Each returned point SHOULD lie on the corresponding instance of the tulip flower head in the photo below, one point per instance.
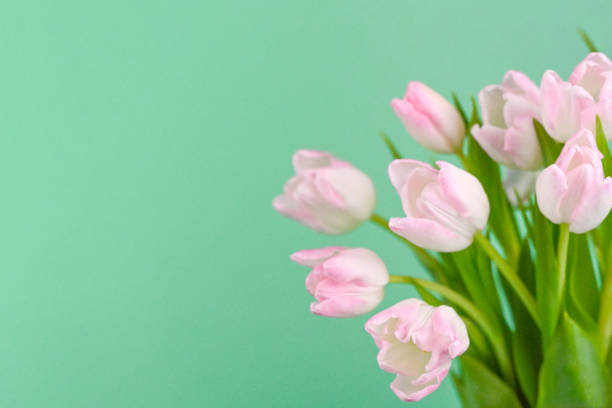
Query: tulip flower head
(345, 281)
(417, 342)
(574, 190)
(430, 119)
(507, 133)
(591, 73)
(326, 194)
(563, 105)
(444, 208)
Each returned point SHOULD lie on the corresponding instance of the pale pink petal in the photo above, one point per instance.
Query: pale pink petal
(313, 257)
(492, 140)
(550, 187)
(429, 234)
(593, 209)
(400, 169)
(350, 265)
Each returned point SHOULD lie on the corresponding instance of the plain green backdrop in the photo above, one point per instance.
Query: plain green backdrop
(142, 142)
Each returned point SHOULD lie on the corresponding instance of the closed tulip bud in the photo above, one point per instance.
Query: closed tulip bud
(590, 73)
(573, 190)
(430, 119)
(418, 343)
(563, 105)
(345, 281)
(507, 133)
(444, 208)
(326, 194)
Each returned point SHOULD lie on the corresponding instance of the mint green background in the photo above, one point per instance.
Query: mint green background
(141, 264)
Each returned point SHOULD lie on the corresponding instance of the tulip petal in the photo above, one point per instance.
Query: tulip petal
(348, 266)
(465, 193)
(593, 209)
(313, 257)
(429, 234)
(400, 169)
(305, 159)
(550, 187)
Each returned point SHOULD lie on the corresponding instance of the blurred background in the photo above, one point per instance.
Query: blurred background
(141, 262)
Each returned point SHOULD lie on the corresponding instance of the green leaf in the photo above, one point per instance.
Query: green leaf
(546, 275)
(475, 119)
(550, 147)
(526, 341)
(604, 148)
(392, 149)
(583, 294)
(479, 387)
(502, 221)
(572, 375)
(587, 40)
(460, 110)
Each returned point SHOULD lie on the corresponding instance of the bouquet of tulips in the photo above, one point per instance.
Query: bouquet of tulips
(517, 243)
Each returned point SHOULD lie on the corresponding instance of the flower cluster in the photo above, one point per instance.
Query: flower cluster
(544, 139)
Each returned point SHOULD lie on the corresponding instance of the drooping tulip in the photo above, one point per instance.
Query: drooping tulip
(444, 208)
(345, 282)
(563, 105)
(430, 119)
(574, 190)
(326, 194)
(417, 342)
(507, 133)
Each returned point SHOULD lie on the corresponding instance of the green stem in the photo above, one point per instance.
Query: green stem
(462, 158)
(511, 277)
(497, 341)
(605, 314)
(428, 261)
(562, 247)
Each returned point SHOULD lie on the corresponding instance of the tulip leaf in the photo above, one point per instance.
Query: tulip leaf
(572, 375)
(550, 147)
(502, 221)
(479, 387)
(587, 40)
(392, 149)
(583, 294)
(604, 148)
(526, 341)
(460, 110)
(548, 290)
(475, 119)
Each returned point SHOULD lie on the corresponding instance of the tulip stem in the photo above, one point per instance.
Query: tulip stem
(497, 341)
(562, 247)
(462, 158)
(605, 314)
(511, 277)
(426, 259)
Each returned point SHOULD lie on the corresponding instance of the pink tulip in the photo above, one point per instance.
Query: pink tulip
(430, 119)
(563, 105)
(417, 342)
(507, 133)
(590, 73)
(345, 281)
(326, 194)
(603, 109)
(444, 208)
(573, 190)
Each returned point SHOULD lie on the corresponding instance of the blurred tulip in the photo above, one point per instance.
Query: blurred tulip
(590, 73)
(521, 183)
(326, 194)
(417, 342)
(507, 133)
(444, 208)
(345, 281)
(573, 190)
(430, 119)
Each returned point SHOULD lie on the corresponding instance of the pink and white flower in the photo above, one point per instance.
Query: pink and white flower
(574, 190)
(507, 133)
(418, 343)
(444, 208)
(326, 194)
(345, 281)
(563, 105)
(430, 119)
